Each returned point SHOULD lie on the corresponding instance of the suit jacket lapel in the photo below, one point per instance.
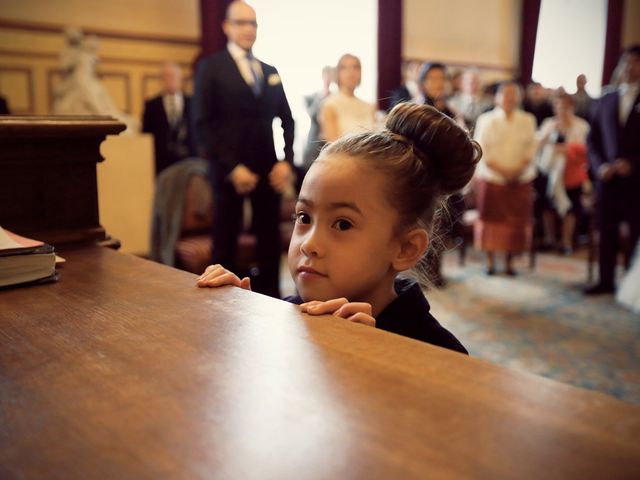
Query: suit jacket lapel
(235, 72)
(165, 117)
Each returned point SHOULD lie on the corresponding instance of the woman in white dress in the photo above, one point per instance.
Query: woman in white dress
(343, 112)
(628, 293)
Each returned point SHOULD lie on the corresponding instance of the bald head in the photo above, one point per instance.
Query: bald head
(240, 24)
(171, 78)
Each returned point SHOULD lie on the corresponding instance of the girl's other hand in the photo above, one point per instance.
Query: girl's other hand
(358, 312)
(218, 276)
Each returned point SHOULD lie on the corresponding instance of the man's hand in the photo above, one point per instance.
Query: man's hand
(606, 172)
(622, 167)
(281, 176)
(218, 276)
(358, 312)
(244, 180)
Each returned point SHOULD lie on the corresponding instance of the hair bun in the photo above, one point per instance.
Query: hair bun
(449, 153)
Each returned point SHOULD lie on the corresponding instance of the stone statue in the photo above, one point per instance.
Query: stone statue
(80, 92)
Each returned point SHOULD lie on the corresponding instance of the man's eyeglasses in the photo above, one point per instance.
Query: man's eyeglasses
(243, 23)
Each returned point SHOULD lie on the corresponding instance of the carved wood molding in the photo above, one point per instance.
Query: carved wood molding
(104, 33)
(28, 72)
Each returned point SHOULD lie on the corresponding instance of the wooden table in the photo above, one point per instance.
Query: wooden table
(124, 369)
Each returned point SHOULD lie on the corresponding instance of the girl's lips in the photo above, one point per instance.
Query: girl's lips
(308, 272)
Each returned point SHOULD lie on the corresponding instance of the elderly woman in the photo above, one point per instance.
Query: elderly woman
(504, 191)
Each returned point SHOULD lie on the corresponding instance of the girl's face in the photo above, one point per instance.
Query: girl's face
(349, 73)
(343, 242)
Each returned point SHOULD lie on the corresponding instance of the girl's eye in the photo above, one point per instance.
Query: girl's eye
(301, 218)
(342, 225)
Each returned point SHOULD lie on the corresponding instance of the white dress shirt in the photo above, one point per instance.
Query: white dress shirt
(173, 106)
(506, 142)
(628, 94)
(239, 55)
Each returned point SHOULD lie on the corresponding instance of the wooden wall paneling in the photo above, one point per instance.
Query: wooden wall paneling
(118, 84)
(102, 33)
(17, 85)
(129, 80)
(150, 86)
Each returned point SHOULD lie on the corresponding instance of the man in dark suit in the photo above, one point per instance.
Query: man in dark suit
(167, 118)
(614, 152)
(4, 107)
(236, 99)
(409, 91)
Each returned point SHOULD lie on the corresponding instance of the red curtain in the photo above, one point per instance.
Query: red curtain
(528, 32)
(389, 49)
(613, 39)
(212, 14)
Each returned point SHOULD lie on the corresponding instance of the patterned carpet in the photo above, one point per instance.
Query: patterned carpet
(539, 322)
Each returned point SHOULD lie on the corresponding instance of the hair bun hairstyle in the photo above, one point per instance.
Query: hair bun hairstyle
(446, 149)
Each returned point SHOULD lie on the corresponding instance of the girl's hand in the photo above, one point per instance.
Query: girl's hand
(358, 312)
(218, 276)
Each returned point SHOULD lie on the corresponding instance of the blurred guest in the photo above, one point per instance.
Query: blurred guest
(581, 98)
(563, 158)
(537, 103)
(343, 112)
(455, 85)
(409, 91)
(614, 151)
(433, 85)
(313, 103)
(166, 117)
(4, 106)
(471, 101)
(504, 193)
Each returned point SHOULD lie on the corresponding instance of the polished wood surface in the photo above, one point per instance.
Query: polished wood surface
(48, 185)
(124, 369)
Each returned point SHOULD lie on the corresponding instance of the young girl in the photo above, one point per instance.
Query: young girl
(363, 216)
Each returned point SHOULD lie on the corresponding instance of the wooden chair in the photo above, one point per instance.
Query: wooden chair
(194, 246)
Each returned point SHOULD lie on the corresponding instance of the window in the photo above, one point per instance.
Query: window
(300, 37)
(570, 41)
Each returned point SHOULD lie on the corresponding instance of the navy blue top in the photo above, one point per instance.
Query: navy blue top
(409, 315)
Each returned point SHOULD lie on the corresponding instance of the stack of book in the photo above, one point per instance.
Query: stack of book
(23, 260)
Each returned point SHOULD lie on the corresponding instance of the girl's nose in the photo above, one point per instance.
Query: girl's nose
(311, 244)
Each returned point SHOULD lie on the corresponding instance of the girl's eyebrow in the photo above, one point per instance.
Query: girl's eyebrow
(333, 205)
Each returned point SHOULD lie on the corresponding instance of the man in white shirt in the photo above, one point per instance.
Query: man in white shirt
(505, 196)
(236, 100)
(614, 153)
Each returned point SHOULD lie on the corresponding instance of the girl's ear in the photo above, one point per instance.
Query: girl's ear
(412, 247)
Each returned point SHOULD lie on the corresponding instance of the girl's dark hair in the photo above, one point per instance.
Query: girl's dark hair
(424, 155)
